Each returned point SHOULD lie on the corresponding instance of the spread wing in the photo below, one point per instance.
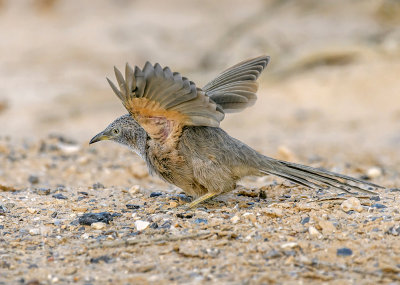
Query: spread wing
(163, 102)
(235, 88)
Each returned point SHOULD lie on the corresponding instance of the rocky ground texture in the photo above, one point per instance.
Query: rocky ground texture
(134, 231)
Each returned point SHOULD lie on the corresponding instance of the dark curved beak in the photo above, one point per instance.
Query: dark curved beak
(99, 137)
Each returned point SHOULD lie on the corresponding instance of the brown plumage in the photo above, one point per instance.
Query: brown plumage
(174, 127)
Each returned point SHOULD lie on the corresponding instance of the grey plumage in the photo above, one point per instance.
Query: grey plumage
(173, 126)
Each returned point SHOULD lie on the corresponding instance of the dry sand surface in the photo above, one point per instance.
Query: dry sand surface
(70, 212)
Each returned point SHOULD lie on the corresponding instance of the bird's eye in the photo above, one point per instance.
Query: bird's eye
(115, 131)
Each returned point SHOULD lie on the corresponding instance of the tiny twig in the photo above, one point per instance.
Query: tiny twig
(133, 241)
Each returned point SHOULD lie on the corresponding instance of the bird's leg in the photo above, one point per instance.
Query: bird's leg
(200, 199)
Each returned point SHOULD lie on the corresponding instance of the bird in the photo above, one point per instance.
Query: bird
(174, 126)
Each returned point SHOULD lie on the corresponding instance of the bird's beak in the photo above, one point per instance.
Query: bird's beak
(99, 137)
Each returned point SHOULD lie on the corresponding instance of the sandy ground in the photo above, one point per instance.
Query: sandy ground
(330, 98)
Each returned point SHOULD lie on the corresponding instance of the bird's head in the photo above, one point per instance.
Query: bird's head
(126, 131)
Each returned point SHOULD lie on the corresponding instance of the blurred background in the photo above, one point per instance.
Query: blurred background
(333, 83)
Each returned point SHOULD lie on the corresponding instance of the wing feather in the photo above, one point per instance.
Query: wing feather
(239, 80)
(163, 102)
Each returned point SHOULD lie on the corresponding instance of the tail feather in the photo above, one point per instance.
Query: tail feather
(315, 178)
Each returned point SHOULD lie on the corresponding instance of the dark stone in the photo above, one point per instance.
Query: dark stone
(378, 206)
(344, 251)
(153, 226)
(184, 216)
(262, 194)
(3, 210)
(305, 220)
(1, 227)
(83, 193)
(98, 185)
(184, 198)
(395, 230)
(90, 218)
(104, 258)
(375, 198)
(155, 194)
(60, 196)
(132, 206)
(33, 179)
(200, 221)
(60, 187)
(166, 225)
(33, 266)
(54, 215)
(394, 189)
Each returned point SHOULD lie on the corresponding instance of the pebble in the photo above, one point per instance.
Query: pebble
(395, 230)
(104, 258)
(70, 270)
(378, 206)
(250, 217)
(68, 148)
(132, 206)
(34, 232)
(98, 185)
(374, 172)
(235, 219)
(305, 220)
(141, 225)
(3, 210)
(155, 194)
(314, 232)
(33, 179)
(43, 191)
(273, 212)
(135, 189)
(351, 204)
(289, 245)
(60, 196)
(31, 210)
(90, 218)
(344, 251)
(98, 225)
(184, 216)
(375, 198)
(200, 221)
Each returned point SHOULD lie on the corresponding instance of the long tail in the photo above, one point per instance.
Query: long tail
(315, 178)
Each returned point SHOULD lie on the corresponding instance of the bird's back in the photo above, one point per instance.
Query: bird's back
(217, 160)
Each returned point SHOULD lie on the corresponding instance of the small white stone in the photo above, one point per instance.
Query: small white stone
(351, 204)
(141, 225)
(34, 232)
(98, 225)
(135, 189)
(68, 148)
(314, 232)
(289, 245)
(250, 216)
(31, 210)
(235, 219)
(85, 236)
(374, 172)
